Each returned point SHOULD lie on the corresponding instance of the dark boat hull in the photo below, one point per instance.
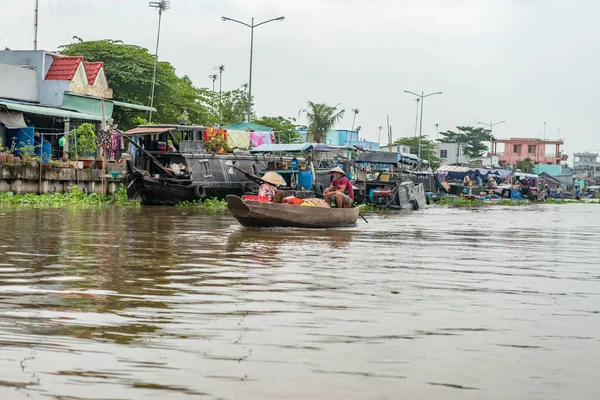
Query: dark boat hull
(157, 192)
(256, 214)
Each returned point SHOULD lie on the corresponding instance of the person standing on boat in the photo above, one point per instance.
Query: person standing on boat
(269, 188)
(340, 185)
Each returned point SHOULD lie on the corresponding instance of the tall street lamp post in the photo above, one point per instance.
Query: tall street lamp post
(161, 6)
(214, 78)
(251, 26)
(354, 111)
(417, 116)
(421, 96)
(491, 126)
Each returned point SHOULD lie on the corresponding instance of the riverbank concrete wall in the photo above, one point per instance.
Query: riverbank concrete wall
(21, 179)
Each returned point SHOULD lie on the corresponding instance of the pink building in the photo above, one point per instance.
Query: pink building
(538, 150)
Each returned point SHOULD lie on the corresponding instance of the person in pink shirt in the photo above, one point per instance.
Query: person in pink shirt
(341, 190)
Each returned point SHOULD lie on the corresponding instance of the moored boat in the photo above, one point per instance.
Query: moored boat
(257, 214)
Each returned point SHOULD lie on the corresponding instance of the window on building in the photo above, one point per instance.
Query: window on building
(597, 169)
(516, 148)
(531, 149)
(443, 153)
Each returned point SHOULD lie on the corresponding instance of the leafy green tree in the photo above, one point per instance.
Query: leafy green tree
(129, 71)
(525, 165)
(321, 119)
(284, 128)
(234, 106)
(428, 149)
(470, 137)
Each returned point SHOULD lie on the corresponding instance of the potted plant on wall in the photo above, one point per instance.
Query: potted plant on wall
(8, 152)
(84, 144)
(27, 154)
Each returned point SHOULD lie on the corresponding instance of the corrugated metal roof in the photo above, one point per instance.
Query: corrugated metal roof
(452, 168)
(524, 175)
(282, 148)
(147, 131)
(49, 111)
(133, 106)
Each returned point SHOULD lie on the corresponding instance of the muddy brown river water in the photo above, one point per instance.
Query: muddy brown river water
(168, 303)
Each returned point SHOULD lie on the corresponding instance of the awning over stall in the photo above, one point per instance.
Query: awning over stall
(29, 108)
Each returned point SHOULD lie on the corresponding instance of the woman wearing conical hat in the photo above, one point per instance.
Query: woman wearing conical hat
(269, 188)
(341, 190)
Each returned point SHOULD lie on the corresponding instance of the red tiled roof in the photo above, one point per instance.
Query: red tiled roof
(63, 68)
(92, 69)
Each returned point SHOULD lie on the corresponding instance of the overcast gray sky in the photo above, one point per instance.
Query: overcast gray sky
(523, 61)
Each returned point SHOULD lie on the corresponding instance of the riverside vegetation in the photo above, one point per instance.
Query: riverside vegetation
(77, 197)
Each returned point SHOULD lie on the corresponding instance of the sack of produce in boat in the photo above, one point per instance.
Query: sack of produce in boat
(317, 202)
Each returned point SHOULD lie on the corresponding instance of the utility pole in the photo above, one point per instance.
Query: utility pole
(162, 5)
(544, 131)
(35, 24)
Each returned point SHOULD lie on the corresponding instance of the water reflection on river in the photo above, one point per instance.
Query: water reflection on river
(167, 303)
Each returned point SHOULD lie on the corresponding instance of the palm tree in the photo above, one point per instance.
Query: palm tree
(525, 166)
(321, 119)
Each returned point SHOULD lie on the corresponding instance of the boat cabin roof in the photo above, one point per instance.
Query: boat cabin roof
(154, 129)
(299, 147)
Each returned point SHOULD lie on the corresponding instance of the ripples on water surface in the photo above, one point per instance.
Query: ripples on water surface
(165, 303)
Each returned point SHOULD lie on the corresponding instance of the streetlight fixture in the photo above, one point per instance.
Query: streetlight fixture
(251, 26)
(220, 68)
(214, 78)
(245, 87)
(421, 96)
(162, 5)
(354, 111)
(492, 125)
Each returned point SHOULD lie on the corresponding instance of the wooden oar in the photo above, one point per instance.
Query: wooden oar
(363, 217)
(252, 177)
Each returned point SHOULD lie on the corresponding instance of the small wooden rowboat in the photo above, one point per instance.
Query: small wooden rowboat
(257, 214)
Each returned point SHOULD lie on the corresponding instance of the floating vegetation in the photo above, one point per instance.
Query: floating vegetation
(209, 206)
(464, 202)
(75, 197)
